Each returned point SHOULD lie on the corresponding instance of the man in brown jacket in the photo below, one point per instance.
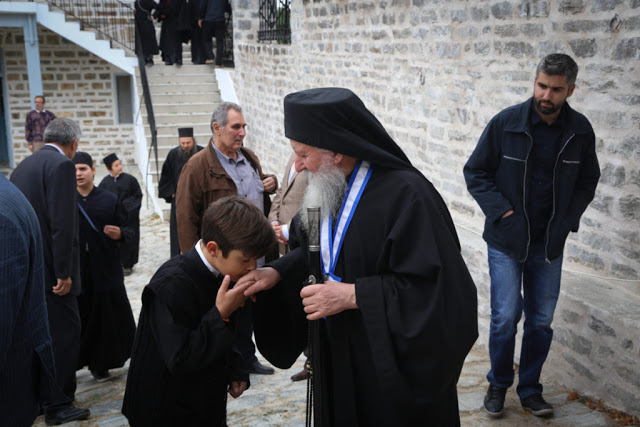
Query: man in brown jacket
(222, 169)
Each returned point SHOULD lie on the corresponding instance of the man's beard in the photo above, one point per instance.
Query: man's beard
(326, 190)
(186, 155)
(547, 110)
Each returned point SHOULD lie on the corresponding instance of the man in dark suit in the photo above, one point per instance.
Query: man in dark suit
(47, 179)
(24, 329)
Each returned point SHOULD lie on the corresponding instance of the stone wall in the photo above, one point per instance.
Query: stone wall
(77, 85)
(435, 72)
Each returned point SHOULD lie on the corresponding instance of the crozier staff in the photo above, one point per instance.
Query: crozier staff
(399, 307)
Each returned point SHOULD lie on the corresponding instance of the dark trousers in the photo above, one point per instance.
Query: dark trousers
(244, 333)
(197, 46)
(64, 325)
(174, 244)
(213, 29)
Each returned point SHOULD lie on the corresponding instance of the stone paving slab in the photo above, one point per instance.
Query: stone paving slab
(274, 400)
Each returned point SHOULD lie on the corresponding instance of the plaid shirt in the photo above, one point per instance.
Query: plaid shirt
(36, 123)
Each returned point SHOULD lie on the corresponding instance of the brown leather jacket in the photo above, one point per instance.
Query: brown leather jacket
(203, 181)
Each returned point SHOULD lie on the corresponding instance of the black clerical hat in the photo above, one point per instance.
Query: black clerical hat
(108, 161)
(336, 119)
(184, 132)
(82, 158)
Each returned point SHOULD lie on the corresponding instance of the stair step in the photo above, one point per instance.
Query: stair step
(202, 79)
(183, 108)
(172, 70)
(186, 97)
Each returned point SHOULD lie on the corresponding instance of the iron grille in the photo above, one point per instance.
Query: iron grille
(275, 21)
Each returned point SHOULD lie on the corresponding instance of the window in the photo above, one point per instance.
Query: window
(124, 98)
(275, 21)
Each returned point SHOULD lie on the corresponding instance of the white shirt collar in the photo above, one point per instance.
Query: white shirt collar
(56, 147)
(204, 260)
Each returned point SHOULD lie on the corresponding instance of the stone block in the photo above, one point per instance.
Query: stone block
(624, 271)
(502, 10)
(571, 6)
(549, 46)
(600, 328)
(579, 367)
(604, 5)
(532, 30)
(585, 26)
(448, 50)
(479, 13)
(458, 15)
(584, 48)
(629, 400)
(534, 9)
(509, 30)
(519, 49)
(627, 49)
(613, 175)
(630, 207)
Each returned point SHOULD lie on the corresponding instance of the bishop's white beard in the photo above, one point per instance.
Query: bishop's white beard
(326, 189)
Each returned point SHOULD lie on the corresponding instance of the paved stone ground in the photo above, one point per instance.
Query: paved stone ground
(274, 400)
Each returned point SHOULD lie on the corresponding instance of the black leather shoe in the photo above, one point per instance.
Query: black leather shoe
(258, 368)
(494, 401)
(537, 405)
(66, 415)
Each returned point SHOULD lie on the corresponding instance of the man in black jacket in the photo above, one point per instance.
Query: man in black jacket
(533, 173)
(212, 21)
(48, 180)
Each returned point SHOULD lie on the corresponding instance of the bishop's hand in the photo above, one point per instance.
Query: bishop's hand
(328, 298)
(259, 280)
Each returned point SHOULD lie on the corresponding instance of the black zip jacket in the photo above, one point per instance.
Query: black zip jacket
(497, 171)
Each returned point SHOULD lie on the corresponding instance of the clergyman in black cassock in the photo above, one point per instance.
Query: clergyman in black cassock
(171, 34)
(405, 314)
(168, 184)
(108, 326)
(145, 30)
(127, 188)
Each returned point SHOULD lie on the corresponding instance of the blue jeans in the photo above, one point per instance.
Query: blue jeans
(540, 282)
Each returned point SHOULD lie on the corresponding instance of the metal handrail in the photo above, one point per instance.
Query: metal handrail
(119, 27)
(116, 25)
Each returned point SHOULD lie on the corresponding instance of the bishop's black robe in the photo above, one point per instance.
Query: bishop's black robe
(127, 189)
(145, 30)
(395, 360)
(183, 357)
(108, 326)
(167, 189)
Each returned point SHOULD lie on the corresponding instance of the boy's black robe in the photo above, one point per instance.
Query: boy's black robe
(184, 357)
(395, 360)
(127, 188)
(108, 326)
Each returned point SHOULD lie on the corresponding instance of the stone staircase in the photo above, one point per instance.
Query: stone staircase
(182, 96)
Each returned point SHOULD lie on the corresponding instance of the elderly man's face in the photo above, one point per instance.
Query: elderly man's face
(229, 139)
(186, 143)
(307, 157)
(39, 102)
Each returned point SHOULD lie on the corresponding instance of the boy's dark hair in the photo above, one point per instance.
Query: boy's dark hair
(235, 223)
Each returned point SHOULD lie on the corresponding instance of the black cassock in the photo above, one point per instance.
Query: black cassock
(145, 28)
(129, 194)
(167, 188)
(108, 326)
(184, 357)
(396, 360)
(171, 34)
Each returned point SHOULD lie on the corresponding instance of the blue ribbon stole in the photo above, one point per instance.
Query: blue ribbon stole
(331, 240)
